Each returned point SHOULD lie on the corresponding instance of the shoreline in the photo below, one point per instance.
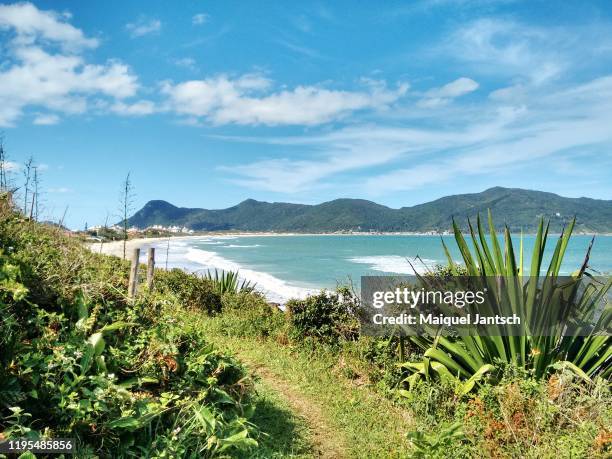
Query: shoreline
(179, 252)
(197, 260)
(284, 234)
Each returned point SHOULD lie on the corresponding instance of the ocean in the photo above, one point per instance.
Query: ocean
(287, 266)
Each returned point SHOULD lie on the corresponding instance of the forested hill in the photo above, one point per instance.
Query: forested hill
(519, 208)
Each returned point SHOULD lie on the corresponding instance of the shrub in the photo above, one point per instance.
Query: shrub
(328, 316)
(249, 314)
(526, 417)
(519, 416)
(436, 444)
(376, 358)
(193, 291)
(126, 377)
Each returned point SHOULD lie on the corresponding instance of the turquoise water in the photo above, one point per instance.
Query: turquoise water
(286, 266)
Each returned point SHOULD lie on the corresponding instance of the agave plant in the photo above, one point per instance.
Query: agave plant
(228, 282)
(470, 358)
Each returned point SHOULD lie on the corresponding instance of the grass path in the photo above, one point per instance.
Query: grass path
(322, 441)
(342, 419)
(286, 434)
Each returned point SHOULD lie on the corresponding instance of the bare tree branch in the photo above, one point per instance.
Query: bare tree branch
(126, 202)
(27, 175)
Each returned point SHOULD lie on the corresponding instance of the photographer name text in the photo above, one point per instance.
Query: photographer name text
(441, 319)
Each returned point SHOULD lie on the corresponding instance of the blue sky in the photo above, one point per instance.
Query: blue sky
(209, 103)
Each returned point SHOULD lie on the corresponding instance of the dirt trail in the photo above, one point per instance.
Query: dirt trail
(327, 443)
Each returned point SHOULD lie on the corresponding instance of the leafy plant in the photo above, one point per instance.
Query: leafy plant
(471, 358)
(329, 316)
(250, 314)
(228, 282)
(126, 378)
(192, 290)
(435, 444)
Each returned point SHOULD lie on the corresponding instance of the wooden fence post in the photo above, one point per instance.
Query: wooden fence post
(134, 274)
(150, 267)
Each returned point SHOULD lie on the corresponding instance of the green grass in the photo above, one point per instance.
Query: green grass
(353, 385)
(368, 424)
(283, 433)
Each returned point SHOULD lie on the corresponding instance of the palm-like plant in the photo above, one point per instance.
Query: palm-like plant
(228, 282)
(471, 357)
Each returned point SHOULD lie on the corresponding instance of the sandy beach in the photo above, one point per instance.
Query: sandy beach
(116, 247)
(177, 252)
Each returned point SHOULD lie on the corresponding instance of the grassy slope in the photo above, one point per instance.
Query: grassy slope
(306, 402)
(155, 388)
(517, 416)
(307, 415)
(284, 433)
(367, 424)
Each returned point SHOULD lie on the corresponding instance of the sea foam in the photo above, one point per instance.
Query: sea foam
(273, 288)
(395, 263)
(236, 246)
(181, 254)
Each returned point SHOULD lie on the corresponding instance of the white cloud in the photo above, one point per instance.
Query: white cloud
(186, 62)
(533, 117)
(292, 176)
(12, 166)
(36, 75)
(441, 96)
(302, 50)
(349, 149)
(542, 142)
(510, 48)
(143, 27)
(31, 24)
(199, 19)
(60, 190)
(457, 88)
(565, 120)
(58, 82)
(139, 108)
(511, 93)
(46, 119)
(247, 100)
(493, 138)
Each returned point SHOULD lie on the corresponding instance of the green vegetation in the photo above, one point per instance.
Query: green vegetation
(283, 433)
(360, 385)
(327, 316)
(351, 418)
(192, 291)
(127, 378)
(204, 366)
(520, 208)
(473, 357)
(228, 282)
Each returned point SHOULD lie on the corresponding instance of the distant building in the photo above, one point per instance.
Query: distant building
(170, 229)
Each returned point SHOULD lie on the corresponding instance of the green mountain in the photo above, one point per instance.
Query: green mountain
(519, 208)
